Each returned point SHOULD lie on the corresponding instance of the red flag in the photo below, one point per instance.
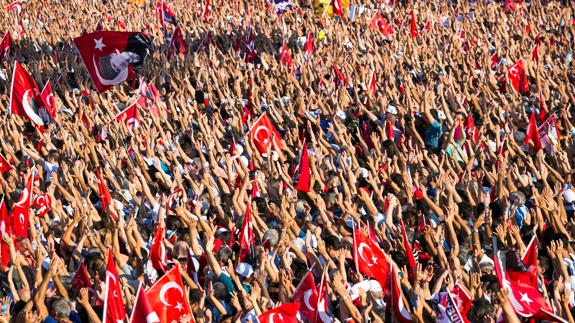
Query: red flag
(516, 74)
(303, 182)
(285, 313)
(535, 53)
(525, 299)
(142, 311)
(510, 5)
(308, 48)
(177, 43)
(247, 239)
(104, 193)
(370, 259)
(81, 278)
(5, 45)
(121, 23)
(15, 6)
(306, 295)
(530, 256)
(111, 56)
(472, 131)
(164, 14)
(24, 96)
(207, 10)
(494, 60)
(397, 303)
(5, 228)
(114, 310)
(532, 135)
(21, 209)
(285, 57)
(337, 7)
(261, 133)
(340, 79)
(47, 97)
(5, 165)
(379, 23)
(168, 298)
(462, 300)
(372, 87)
(413, 26)
(411, 263)
(158, 255)
(255, 189)
(130, 116)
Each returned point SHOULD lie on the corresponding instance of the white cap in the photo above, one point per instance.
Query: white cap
(341, 114)
(363, 172)
(245, 270)
(441, 115)
(569, 196)
(391, 109)
(221, 230)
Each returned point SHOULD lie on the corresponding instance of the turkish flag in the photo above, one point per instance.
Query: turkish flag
(207, 10)
(5, 165)
(308, 48)
(529, 259)
(5, 45)
(177, 43)
(24, 96)
(82, 279)
(307, 296)
(158, 255)
(372, 87)
(413, 26)
(164, 13)
(462, 299)
(47, 96)
(103, 192)
(111, 57)
(285, 57)
(532, 135)
(142, 312)
(114, 310)
(168, 298)
(516, 74)
(411, 263)
(380, 24)
(129, 116)
(149, 96)
(370, 260)
(21, 209)
(337, 7)
(397, 303)
(285, 313)
(340, 79)
(303, 183)
(247, 239)
(5, 228)
(261, 134)
(494, 60)
(525, 299)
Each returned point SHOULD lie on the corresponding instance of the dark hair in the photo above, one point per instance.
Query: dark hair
(195, 295)
(333, 242)
(480, 308)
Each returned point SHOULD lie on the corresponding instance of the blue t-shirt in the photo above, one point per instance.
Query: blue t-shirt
(433, 134)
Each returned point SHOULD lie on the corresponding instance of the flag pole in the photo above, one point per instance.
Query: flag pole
(355, 248)
(106, 285)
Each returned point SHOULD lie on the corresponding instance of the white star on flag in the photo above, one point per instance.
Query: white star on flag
(525, 298)
(179, 306)
(99, 43)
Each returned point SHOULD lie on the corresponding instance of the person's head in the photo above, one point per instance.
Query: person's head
(481, 311)
(61, 309)
(332, 245)
(195, 297)
(224, 253)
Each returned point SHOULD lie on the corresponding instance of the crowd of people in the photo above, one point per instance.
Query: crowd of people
(355, 161)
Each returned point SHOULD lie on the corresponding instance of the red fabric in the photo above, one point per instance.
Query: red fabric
(5, 228)
(529, 259)
(142, 311)
(307, 296)
(380, 24)
(413, 26)
(158, 255)
(129, 116)
(372, 88)
(164, 13)
(285, 313)
(247, 239)
(81, 278)
(98, 49)
(337, 7)
(20, 210)
(370, 259)
(411, 264)
(5, 165)
(308, 48)
(261, 134)
(517, 76)
(104, 193)
(114, 305)
(303, 183)
(340, 79)
(462, 300)
(5, 45)
(532, 135)
(471, 130)
(207, 10)
(24, 96)
(168, 297)
(285, 57)
(47, 96)
(177, 44)
(398, 306)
